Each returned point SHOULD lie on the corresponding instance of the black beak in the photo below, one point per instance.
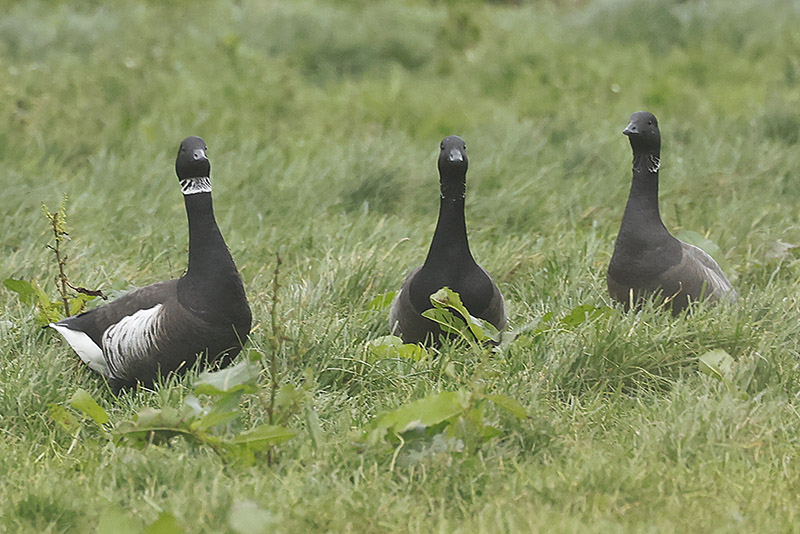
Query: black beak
(455, 155)
(199, 154)
(630, 129)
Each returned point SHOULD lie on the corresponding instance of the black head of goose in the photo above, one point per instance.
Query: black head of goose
(647, 259)
(164, 327)
(449, 262)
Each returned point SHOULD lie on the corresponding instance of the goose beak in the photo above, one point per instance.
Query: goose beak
(199, 154)
(630, 129)
(455, 155)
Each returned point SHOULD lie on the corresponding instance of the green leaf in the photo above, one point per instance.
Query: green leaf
(447, 299)
(487, 432)
(78, 303)
(448, 322)
(264, 436)
(23, 288)
(546, 318)
(41, 296)
(47, 312)
(246, 517)
(253, 355)
(717, 363)
(386, 347)
(157, 418)
(153, 425)
(61, 415)
(381, 302)
(214, 418)
(241, 376)
(165, 524)
(582, 313)
(115, 521)
(81, 400)
(488, 330)
(425, 412)
(512, 406)
(289, 396)
(474, 426)
(227, 401)
(193, 408)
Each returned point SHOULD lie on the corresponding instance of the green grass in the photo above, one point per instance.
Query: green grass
(323, 120)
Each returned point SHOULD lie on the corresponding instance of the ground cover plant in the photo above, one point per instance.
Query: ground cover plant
(323, 120)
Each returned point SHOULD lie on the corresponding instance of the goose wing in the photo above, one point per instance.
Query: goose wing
(698, 276)
(495, 310)
(405, 320)
(129, 326)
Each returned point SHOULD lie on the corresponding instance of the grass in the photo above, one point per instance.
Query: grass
(323, 121)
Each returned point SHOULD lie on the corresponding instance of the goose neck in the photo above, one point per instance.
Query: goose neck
(641, 221)
(208, 254)
(450, 238)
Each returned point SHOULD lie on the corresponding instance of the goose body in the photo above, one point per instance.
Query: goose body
(449, 261)
(647, 259)
(164, 327)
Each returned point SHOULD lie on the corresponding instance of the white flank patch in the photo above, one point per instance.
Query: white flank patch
(191, 186)
(134, 337)
(89, 352)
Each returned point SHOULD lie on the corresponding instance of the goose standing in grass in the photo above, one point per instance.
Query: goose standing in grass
(647, 258)
(162, 328)
(449, 262)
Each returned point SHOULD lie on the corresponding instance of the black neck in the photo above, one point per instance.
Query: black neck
(453, 189)
(208, 254)
(641, 212)
(449, 244)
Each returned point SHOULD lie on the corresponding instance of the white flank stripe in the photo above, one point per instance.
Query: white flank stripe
(191, 186)
(134, 337)
(89, 352)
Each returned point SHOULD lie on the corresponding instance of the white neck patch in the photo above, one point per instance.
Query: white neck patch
(191, 186)
(655, 164)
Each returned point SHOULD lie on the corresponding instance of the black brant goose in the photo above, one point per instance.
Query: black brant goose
(647, 258)
(449, 262)
(162, 328)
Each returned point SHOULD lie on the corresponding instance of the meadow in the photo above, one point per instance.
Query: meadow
(323, 121)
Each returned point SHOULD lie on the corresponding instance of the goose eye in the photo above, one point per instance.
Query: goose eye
(649, 123)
